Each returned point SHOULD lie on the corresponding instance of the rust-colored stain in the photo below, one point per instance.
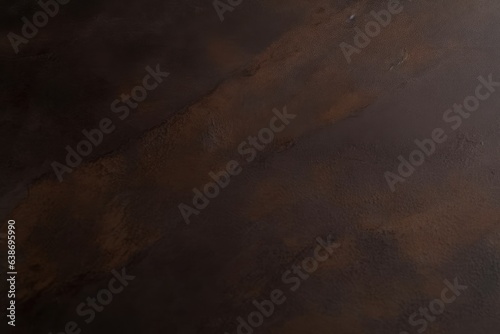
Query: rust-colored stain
(324, 174)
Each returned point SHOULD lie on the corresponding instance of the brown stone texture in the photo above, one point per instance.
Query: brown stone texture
(324, 174)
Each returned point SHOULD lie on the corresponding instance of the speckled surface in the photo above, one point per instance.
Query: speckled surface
(324, 174)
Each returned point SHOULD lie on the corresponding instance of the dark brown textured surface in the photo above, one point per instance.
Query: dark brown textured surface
(323, 174)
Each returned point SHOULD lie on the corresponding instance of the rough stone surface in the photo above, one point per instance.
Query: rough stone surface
(324, 174)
